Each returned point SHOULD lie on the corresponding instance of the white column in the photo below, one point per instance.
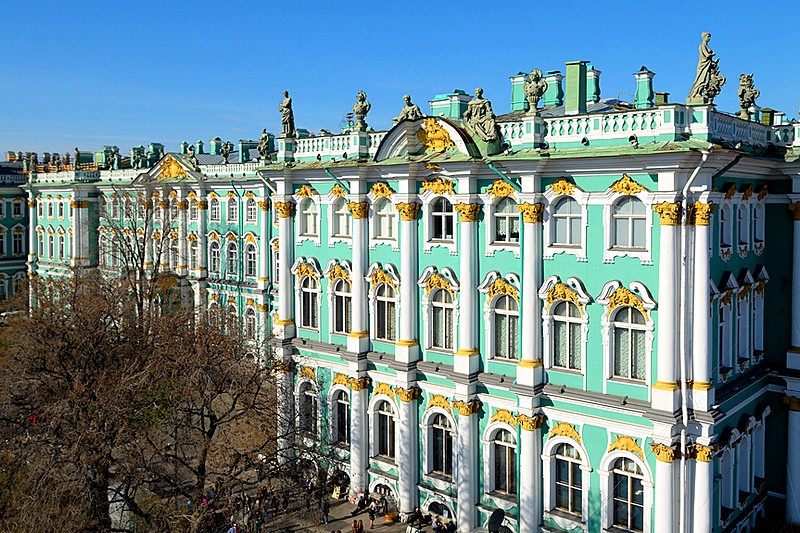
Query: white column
(284, 324)
(703, 489)
(467, 358)
(358, 339)
(666, 502)
(202, 239)
(359, 435)
(467, 471)
(80, 232)
(183, 237)
(529, 369)
(285, 411)
(407, 456)
(664, 396)
(530, 473)
(163, 246)
(702, 393)
(264, 249)
(407, 346)
(793, 357)
(32, 235)
(793, 460)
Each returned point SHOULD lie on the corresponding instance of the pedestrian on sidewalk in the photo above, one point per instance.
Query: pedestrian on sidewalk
(354, 527)
(326, 510)
(373, 510)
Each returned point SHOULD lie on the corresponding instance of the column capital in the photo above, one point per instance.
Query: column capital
(468, 212)
(359, 384)
(467, 408)
(285, 209)
(531, 213)
(792, 403)
(530, 423)
(263, 204)
(408, 212)
(407, 395)
(704, 454)
(663, 453)
(358, 209)
(699, 214)
(795, 209)
(669, 213)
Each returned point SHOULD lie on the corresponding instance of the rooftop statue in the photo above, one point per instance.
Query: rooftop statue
(534, 89)
(263, 145)
(707, 83)
(192, 159)
(287, 115)
(77, 158)
(480, 118)
(65, 158)
(410, 111)
(136, 158)
(747, 95)
(225, 151)
(360, 109)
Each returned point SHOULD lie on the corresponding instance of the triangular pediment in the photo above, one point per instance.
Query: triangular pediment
(171, 167)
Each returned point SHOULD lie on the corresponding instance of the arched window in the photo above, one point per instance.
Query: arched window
(60, 209)
(309, 218)
(233, 210)
(193, 252)
(743, 228)
(213, 209)
(214, 314)
(232, 319)
(566, 336)
(252, 210)
(214, 257)
(504, 448)
(567, 223)
(506, 222)
(17, 240)
(115, 209)
(629, 219)
(102, 251)
(384, 219)
(443, 320)
(442, 452)
(341, 406)
(723, 342)
(386, 429)
(308, 408)
(61, 247)
(308, 303)
(342, 313)
(725, 226)
(250, 260)
(568, 480)
(341, 218)
(629, 343)
(193, 210)
(233, 259)
(628, 504)
(173, 210)
(49, 209)
(41, 246)
(743, 315)
(174, 254)
(442, 220)
(128, 210)
(51, 251)
(758, 224)
(385, 302)
(506, 328)
(250, 324)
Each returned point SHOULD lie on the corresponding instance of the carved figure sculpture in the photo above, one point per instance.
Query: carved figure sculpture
(534, 89)
(192, 159)
(360, 109)
(225, 151)
(287, 115)
(480, 118)
(65, 158)
(77, 157)
(410, 111)
(136, 158)
(263, 145)
(707, 83)
(747, 95)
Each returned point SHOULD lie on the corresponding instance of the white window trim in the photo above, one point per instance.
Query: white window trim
(607, 324)
(247, 218)
(211, 216)
(330, 202)
(372, 414)
(759, 227)
(608, 200)
(426, 429)
(487, 440)
(300, 203)
(373, 225)
(346, 265)
(298, 293)
(333, 418)
(547, 322)
(549, 478)
(297, 398)
(743, 244)
(232, 202)
(607, 493)
(744, 307)
(373, 321)
(550, 249)
(488, 313)
(489, 204)
(428, 198)
(427, 307)
(725, 234)
(21, 205)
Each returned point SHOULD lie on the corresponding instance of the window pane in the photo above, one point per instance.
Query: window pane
(500, 468)
(562, 497)
(501, 335)
(621, 232)
(574, 346)
(621, 352)
(639, 232)
(513, 335)
(574, 230)
(559, 343)
(562, 471)
(638, 354)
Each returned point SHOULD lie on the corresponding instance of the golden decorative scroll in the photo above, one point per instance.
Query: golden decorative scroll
(624, 297)
(337, 190)
(468, 212)
(626, 444)
(408, 211)
(501, 188)
(504, 416)
(171, 169)
(531, 213)
(562, 292)
(434, 137)
(381, 189)
(562, 186)
(359, 209)
(562, 429)
(437, 400)
(625, 185)
(439, 185)
(501, 286)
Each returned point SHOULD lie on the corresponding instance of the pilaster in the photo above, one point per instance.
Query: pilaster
(202, 239)
(265, 247)
(665, 500)
(530, 473)
(285, 379)
(467, 471)
(702, 512)
(407, 347)
(467, 357)
(358, 339)
(409, 443)
(183, 237)
(702, 392)
(530, 371)
(359, 436)
(32, 235)
(285, 323)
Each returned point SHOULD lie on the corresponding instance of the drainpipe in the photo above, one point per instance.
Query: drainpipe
(337, 180)
(505, 178)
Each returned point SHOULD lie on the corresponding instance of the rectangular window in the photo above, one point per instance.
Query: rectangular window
(17, 209)
(60, 209)
(193, 210)
(18, 243)
(49, 209)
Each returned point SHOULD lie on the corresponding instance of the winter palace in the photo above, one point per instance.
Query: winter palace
(558, 310)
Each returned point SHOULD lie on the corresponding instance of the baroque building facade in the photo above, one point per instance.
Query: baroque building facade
(566, 321)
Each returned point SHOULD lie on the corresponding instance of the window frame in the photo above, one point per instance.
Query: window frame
(565, 520)
(251, 211)
(440, 220)
(250, 260)
(442, 479)
(510, 217)
(308, 395)
(341, 300)
(493, 246)
(339, 435)
(214, 209)
(308, 310)
(214, 257)
(444, 310)
(606, 472)
(338, 212)
(612, 250)
(383, 208)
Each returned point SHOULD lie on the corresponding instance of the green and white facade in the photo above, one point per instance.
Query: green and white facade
(590, 329)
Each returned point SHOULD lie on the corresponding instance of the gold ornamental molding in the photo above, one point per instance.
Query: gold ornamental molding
(762, 192)
(562, 186)
(747, 192)
(407, 395)
(381, 189)
(505, 416)
(337, 272)
(434, 137)
(79, 204)
(285, 209)
(792, 403)
(408, 212)
(530, 423)
(264, 205)
(171, 169)
(308, 373)
(704, 454)
(501, 286)
(359, 209)
(439, 186)
(383, 388)
(663, 453)
(627, 186)
(306, 191)
(468, 212)
(795, 209)
(562, 429)
(531, 213)
(436, 281)
(501, 188)
(625, 443)
(468, 408)
(341, 379)
(437, 400)
(337, 190)
(303, 270)
(625, 298)
(282, 368)
(699, 214)
(669, 213)
(561, 292)
(380, 276)
(360, 383)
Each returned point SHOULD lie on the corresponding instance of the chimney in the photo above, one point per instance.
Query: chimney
(592, 85)
(519, 104)
(662, 98)
(215, 146)
(184, 147)
(198, 147)
(451, 105)
(644, 96)
(575, 93)
(554, 94)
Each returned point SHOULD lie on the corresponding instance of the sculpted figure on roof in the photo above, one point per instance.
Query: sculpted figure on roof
(360, 109)
(287, 115)
(192, 159)
(263, 145)
(534, 89)
(410, 111)
(480, 118)
(747, 95)
(707, 83)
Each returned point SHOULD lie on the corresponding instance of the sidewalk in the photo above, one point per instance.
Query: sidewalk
(340, 519)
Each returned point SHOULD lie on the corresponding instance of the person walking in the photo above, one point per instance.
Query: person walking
(326, 510)
(373, 510)
(360, 527)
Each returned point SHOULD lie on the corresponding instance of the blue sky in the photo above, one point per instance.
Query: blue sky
(88, 73)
